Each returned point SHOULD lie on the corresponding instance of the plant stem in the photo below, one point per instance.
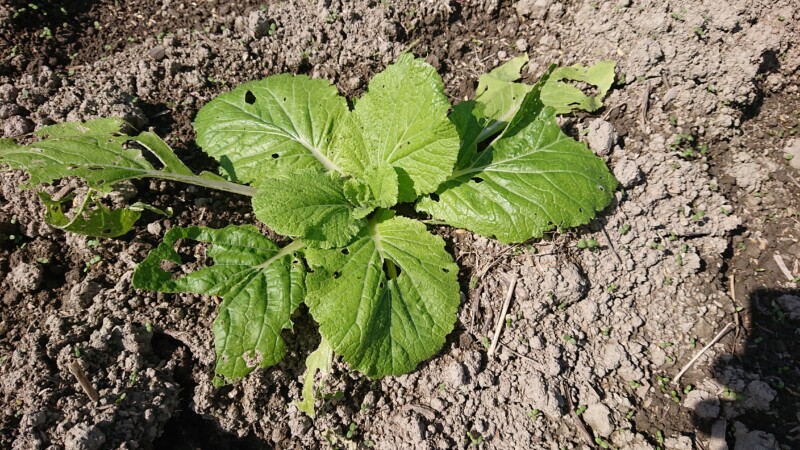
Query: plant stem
(287, 250)
(80, 210)
(220, 185)
(372, 226)
(434, 222)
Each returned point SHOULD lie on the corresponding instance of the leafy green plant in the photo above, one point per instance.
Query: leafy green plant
(334, 179)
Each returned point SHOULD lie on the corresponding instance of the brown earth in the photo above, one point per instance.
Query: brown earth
(702, 125)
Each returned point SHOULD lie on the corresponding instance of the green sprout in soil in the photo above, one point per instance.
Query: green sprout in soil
(732, 394)
(94, 260)
(700, 32)
(602, 442)
(590, 244)
(352, 430)
(475, 439)
(335, 180)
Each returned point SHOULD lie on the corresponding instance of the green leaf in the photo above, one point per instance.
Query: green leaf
(474, 125)
(388, 300)
(92, 217)
(500, 95)
(308, 203)
(276, 125)
(91, 150)
(382, 181)
(260, 284)
(565, 97)
(161, 150)
(529, 180)
(98, 152)
(96, 127)
(318, 360)
(510, 70)
(402, 121)
(379, 190)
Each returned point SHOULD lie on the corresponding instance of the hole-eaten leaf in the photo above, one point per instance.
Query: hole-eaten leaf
(252, 359)
(588, 90)
(391, 269)
(516, 147)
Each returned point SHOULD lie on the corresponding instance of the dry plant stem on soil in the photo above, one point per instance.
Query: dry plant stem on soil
(576, 418)
(716, 339)
(611, 245)
(645, 102)
(502, 317)
(782, 265)
(479, 282)
(514, 352)
(735, 316)
(80, 375)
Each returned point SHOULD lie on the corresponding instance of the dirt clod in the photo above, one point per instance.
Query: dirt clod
(26, 277)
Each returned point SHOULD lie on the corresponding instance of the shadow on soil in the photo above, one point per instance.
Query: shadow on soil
(187, 430)
(770, 355)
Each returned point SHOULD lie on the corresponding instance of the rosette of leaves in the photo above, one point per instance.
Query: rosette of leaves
(382, 288)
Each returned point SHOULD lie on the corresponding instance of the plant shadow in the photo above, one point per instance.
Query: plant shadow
(760, 379)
